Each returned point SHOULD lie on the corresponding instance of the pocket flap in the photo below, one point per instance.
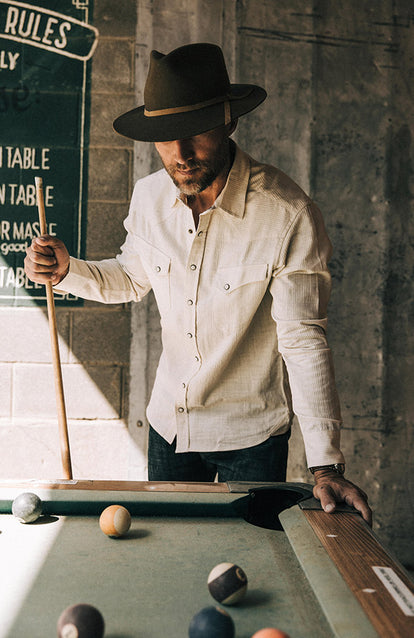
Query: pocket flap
(158, 261)
(229, 279)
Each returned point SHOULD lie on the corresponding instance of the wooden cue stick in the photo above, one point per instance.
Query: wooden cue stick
(60, 397)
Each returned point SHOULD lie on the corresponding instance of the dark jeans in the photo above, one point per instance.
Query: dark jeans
(264, 462)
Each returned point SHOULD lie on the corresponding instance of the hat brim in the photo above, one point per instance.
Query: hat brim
(165, 128)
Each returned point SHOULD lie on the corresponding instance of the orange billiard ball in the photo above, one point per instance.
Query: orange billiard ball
(115, 521)
(269, 632)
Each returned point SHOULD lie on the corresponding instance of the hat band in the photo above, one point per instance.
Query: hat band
(194, 107)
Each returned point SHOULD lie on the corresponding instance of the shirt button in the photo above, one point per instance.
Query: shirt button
(193, 267)
(197, 358)
(189, 335)
(180, 410)
(183, 384)
(158, 269)
(190, 302)
(190, 230)
(200, 232)
(226, 286)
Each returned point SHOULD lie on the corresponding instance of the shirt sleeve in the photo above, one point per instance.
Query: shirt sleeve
(117, 280)
(300, 288)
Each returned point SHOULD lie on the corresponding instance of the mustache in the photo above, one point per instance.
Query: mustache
(188, 165)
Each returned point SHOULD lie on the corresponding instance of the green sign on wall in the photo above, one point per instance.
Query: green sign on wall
(45, 52)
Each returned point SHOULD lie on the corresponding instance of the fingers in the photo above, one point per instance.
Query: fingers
(360, 504)
(47, 260)
(326, 496)
(336, 490)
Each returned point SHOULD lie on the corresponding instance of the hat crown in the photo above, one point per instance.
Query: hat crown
(189, 75)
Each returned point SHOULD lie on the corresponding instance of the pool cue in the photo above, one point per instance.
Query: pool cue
(60, 397)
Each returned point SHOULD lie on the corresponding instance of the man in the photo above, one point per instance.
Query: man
(236, 255)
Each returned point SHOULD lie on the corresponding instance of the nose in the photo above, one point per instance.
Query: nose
(183, 151)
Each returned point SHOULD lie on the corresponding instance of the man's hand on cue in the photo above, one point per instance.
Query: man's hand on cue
(331, 488)
(47, 260)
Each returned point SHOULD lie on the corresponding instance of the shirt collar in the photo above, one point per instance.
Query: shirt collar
(232, 198)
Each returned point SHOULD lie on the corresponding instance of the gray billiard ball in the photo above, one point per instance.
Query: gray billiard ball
(27, 507)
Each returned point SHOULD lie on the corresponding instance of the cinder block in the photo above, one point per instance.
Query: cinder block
(101, 336)
(105, 107)
(113, 66)
(115, 17)
(32, 450)
(5, 389)
(99, 450)
(109, 174)
(106, 232)
(91, 392)
(25, 334)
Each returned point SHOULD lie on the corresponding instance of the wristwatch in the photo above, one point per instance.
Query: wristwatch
(339, 468)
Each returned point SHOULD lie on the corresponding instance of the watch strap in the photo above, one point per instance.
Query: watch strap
(339, 468)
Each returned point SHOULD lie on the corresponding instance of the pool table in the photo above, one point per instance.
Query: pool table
(311, 574)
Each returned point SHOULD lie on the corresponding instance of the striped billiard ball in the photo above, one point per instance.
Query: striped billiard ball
(115, 521)
(227, 583)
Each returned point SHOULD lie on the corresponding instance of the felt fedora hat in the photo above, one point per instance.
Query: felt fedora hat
(187, 92)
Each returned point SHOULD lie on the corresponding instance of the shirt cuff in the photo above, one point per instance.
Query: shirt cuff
(322, 443)
(66, 284)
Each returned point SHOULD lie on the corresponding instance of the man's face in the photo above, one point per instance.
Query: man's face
(195, 162)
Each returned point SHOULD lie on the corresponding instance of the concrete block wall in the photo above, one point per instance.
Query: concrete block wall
(94, 340)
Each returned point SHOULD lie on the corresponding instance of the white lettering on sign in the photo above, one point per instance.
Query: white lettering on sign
(21, 231)
(8, 60)
(25, 158)
(24, 195)
(47, 29)
(31, 25)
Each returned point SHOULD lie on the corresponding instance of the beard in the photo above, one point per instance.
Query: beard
(202, 173)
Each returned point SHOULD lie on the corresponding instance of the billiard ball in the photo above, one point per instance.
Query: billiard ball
(81, 621)
(270, 633)
(27, 507)
(211, 621)
(115, 521)
(227, 583)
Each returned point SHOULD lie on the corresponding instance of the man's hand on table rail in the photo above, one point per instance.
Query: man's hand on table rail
(332, 488)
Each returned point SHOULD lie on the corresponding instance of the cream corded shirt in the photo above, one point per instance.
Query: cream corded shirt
(243, 300)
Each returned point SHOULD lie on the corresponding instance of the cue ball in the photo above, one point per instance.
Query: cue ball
(270, 633)
(81, 621)
(27, 507)
(227, 583)
(115, 521)
(211, 622)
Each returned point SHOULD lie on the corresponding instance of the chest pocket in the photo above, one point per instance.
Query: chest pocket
(230, 279)
(242, 289)
(158, 267)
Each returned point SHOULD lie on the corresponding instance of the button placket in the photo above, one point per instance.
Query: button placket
(194, 262)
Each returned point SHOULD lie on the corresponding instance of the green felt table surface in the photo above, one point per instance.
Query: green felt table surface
(151, 583)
